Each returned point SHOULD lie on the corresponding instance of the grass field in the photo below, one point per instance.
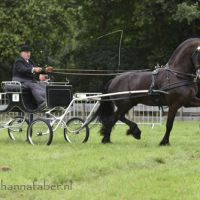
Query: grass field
(126, 169)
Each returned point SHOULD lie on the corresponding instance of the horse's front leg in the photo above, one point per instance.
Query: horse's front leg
(170, 120)
(133, 128)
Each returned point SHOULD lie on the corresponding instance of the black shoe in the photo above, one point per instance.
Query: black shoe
(42, 106)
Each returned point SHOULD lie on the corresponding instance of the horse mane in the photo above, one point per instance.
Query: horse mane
(181, 47)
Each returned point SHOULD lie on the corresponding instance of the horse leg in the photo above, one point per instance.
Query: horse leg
(170, 120)
(133, 128)
(106, 129)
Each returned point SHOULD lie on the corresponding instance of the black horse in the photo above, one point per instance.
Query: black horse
(177, 78)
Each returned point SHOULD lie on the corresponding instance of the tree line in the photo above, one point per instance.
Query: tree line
(86, 34)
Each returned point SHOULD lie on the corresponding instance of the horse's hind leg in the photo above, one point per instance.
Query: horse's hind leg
(106, 130)
(133, 128)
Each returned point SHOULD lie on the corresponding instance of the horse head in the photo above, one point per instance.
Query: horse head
(186, 57)
(196, 58)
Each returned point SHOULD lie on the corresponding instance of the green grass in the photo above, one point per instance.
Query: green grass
(126, 169)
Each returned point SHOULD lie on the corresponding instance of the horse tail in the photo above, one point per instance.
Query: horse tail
(105, 111)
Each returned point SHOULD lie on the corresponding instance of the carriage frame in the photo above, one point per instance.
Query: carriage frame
(41, 129)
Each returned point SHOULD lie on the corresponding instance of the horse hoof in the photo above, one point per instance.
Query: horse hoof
(136, 133)
(105, 141)
(164, 143)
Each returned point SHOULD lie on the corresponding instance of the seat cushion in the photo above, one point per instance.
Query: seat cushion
(12, 88)
(15, 88)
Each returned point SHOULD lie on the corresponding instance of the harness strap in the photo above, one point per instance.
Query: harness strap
(152, 86)
(177, 84)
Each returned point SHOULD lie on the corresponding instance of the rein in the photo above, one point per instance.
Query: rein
(86, 74)
(82, 72)
(178, 72)
(181, 73)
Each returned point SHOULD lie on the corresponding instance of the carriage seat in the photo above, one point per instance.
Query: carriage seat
(56, 95)
(19, 97)
(13, 87)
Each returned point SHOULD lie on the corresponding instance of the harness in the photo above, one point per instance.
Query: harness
(190, 79)
(153, 78)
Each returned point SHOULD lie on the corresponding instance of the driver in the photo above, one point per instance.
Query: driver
(24, 70)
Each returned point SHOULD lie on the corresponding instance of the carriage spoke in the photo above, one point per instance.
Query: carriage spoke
(17, 128)
(39, 132)
(75, 132)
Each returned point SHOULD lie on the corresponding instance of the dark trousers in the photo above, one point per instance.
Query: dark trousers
(38, 90)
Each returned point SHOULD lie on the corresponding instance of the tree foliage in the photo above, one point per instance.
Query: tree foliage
(67, 33)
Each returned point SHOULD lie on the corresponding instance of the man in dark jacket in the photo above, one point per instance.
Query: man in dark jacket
(24, 70)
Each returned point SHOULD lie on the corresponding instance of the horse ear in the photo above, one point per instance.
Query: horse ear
(196, 57)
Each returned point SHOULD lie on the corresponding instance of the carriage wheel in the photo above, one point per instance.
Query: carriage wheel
(17, 128)
(74, 133)
(39, 132)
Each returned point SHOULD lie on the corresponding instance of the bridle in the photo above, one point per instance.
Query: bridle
(196, 62)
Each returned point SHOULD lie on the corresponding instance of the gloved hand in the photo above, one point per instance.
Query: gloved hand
(48, 69)
(37, 70)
